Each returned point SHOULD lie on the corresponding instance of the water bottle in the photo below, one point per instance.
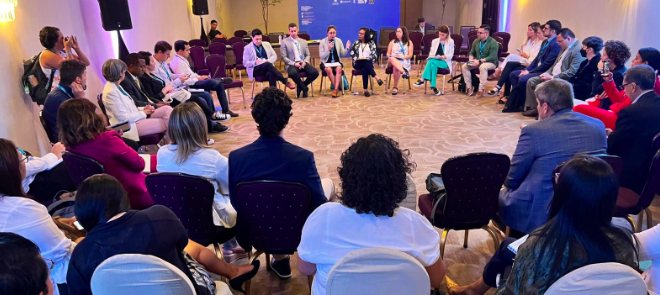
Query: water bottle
(280, 38)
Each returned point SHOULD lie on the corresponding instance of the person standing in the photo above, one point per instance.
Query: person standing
(58, 49)
(296, 57)
(363, 54)
(440, 55)
(331, 49)
(482, 56)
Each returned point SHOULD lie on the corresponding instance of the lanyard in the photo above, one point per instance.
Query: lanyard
(332, 51)
(403, 50)
(481, 47)
(164, 67)
(124, 92)
(65, 91)
(158, 79)
(258, 49)
(546, 45)
(363, 47)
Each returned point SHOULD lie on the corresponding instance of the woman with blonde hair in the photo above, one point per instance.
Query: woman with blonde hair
(442, 50)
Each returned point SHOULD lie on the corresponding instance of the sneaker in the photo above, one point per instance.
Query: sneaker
(226, 80)
(219, 128)
(495, 91)
(220, 116)
(419, 83)
(210, 141)
(231, 114)
(436, 91)
(281, 268)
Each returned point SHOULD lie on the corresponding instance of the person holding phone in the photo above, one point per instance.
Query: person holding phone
(363, 54)
(58, 49)
(440, 55)
(400, 51)
(331, 49)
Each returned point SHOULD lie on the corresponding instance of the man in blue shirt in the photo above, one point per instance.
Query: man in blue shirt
(73, 82)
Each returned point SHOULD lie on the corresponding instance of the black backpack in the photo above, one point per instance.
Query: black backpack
(35, 82)
(462, 86)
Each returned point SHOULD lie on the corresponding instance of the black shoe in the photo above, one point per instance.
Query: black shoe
(419, 83)
(406, 75)
(380, 82)
(511, 110)
(531, 113)
(219, 128)
(298, 91)
(237, 282)
(436, 91)
(367, 94)
(226, 80)
(231, 114)
(306, 92)
(281, 268)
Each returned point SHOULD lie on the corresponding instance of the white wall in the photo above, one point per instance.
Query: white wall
(633, 21)
(20, 40)
(433, 13)
(468, 12)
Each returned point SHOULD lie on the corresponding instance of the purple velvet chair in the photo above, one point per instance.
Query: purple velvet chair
(238, 49)
(392, 35)
(219, 40)
(506, 37)
(197, 42)
(80, 167)
(424, 54)
(191, 199)
(443, 73)
(240, 33)
(614, 161)
(302, 76)
(233, 40)
(324, 75)
(472, 188)
(271, 215)
(304, 36)
(416, 39)
(218, 48)
(359, 73)
(145, 140)
(216, 64)
(197, 56)
(389, 71)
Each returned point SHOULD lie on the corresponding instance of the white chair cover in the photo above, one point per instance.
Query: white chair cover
(600, 279)
(377, 271)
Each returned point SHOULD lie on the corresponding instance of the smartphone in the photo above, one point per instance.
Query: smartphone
(606, 69)
(121, 127)
(77, 225)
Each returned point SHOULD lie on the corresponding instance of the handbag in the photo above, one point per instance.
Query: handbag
(345, 82)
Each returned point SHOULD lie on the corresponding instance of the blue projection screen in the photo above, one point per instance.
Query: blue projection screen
(347, 15)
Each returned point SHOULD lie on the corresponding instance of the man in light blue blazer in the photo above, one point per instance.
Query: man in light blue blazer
(296, 57)
(560, 135)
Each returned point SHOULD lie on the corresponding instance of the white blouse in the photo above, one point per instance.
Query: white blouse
(532, 48)
(649, 249)
(31, 220)
(121, 108)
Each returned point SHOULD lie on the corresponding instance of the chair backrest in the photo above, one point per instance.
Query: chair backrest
(190, 198)
(385, 31)
(458, 40)
(265, 39)
(305, 36)
(219, 40)
(464, 32)
(428, 38)
(197, 56)
(499, 40)
(652, 186)
(272, 213)
(233, 40)
(600, 278)
(197, 42)
(473, 183)
(375, 271)
(614, 161)
(275, 36)
(506, 37)
(238, 49)
(216, 65)
(416, 39)
(80, 167)
(218, 48)
(472, 33)
(392, 36)
(137, 274)
(470, 42)
(99, 100)
(240, 33)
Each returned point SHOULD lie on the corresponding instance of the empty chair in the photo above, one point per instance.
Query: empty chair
(233, 40)
(238, 49)
(217, 64)
(218, 48)
(80, 167)
(630, 203)
(197, 42)
(219, 40)
(416, 39)
(304, 36)
(376, 271)
(506, 37)
(265, 39)
(424, 54)
(197, 56)
(240, 33)
(601, 278)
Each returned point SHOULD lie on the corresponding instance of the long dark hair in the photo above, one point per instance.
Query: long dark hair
(404, 38)
(10, 171)
(650, 55)
(99, 198)
(580, 217)
(367, 35)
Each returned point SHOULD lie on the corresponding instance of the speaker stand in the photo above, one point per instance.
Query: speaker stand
(203, 36)
(123, 50)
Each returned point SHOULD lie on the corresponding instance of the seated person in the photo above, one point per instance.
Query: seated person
(120, 106)
(440, 55)
(482, 56)
(23, 216)
(369, 214)
(296, 57)
(565, 67)
(22, 268)
(113, 229)
(259, 58)
(617, 54)
(399, 52)
(645, 56)
(421, 25)
(180, 65)
(73, 82)
(579, 232)
(331, 49)
(648, 241)
(46, 177)
(584, 77)
(363, 54)
(83, 131)
(154, 91)
(272, 158)
(558, 136)
(636, 127)
(58, 49)
(214, 32)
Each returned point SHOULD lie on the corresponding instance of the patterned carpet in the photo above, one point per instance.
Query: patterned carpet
(433, 128)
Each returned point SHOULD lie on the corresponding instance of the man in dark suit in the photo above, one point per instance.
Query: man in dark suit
(135, 65)
(557, 137)
(636, 127)
(544, 60)
(272, 158)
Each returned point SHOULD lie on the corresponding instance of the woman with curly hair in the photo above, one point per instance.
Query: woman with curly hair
(58, 49)
(373, 173)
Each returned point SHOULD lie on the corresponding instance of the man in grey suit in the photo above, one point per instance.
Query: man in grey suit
(296, 57)
(565, 67)
(560, 135)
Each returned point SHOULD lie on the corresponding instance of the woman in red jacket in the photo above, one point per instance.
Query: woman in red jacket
(645, 56)
(83, 131)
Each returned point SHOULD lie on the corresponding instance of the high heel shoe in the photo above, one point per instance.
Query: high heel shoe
(380, 82)
(237, 282)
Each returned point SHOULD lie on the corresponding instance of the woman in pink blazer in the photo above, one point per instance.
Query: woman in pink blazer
(83, 131)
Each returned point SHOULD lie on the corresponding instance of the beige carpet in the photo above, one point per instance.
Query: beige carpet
(433, 128)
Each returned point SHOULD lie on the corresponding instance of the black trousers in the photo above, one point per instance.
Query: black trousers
(218, 87)
(504, 78)
(273, 74)
(47, 184)
(208, 110)
(500, 263)
(311, 72)
(367, 68)
(131, 143)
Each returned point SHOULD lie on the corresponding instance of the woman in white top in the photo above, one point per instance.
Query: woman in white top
(373, 173)
(331, 50)
(528, 50)
(649, 249)
(58, 49)
(121, 107)
(400, 51)
(440, 55)
(27, 218)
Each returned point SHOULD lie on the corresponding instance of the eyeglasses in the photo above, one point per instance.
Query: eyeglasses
(24, 156)
(624, 85)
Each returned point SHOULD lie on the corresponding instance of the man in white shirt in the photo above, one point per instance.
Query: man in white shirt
(180, 65)
(565, 67)
(296, 57)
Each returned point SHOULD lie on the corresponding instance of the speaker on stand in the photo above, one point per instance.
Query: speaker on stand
(201, 7)
(116, 16)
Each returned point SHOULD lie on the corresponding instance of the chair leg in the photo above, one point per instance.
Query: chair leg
(322, 85)
(443, 84)
(465, 244)
(649, 218)
(425, 86)
(632, 223)
(443, 242)
(252, 258)
(350, 84)
(253, 83)
(493, 234)
(243, 93)
(371, 81)
(389, 81)
(228, 96)
(640, 219)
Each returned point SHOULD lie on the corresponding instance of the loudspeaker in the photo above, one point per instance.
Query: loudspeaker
(115, 15)
(200, 7)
